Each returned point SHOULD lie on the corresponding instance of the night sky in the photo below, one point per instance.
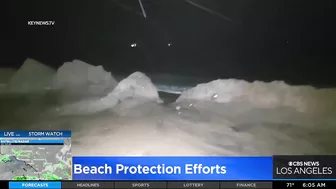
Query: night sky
(291, 40)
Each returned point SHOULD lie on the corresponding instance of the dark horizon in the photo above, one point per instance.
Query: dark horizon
(265, 40)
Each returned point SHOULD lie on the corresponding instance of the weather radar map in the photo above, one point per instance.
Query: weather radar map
(35, 155)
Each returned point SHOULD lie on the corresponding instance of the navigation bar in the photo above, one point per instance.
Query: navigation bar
(141, 185)
(167, 185)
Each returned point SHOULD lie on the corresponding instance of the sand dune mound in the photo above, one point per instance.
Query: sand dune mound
(263, 95)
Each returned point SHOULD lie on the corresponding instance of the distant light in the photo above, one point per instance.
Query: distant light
(215, 96)
(169, 44)
(133, 45)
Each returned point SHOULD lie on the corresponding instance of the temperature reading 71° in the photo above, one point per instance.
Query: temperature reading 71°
(290, 184)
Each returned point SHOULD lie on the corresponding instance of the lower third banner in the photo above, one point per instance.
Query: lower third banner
(172, 168)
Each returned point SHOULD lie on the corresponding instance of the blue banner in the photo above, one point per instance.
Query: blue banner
(32, 185)
(172, 168)
(35, 134)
